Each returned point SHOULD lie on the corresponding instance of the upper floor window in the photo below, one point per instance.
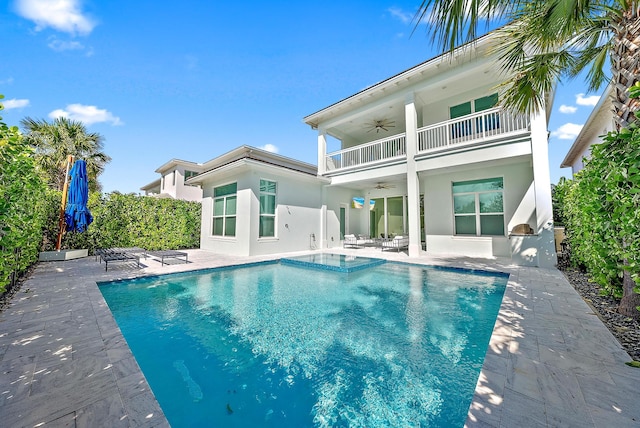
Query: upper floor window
(268, 191)
(189, 174)
(224, 210)
(478, 207)
(467, 127)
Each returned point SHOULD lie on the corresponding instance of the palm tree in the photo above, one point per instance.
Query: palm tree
(54, 141)
(547, 40)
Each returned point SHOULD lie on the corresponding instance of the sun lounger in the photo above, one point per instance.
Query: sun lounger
(114, 256)
(398, 243)
(169, 254)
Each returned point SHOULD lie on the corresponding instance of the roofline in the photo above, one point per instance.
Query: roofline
(580, 143)
(154, 183)
(245, 161)
(176, 162)
(389, 81)
(245, 152)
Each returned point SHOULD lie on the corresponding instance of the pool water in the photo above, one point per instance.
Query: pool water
(337, 262)
(275, 345)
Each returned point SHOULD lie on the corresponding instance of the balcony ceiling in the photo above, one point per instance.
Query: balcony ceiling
(356, 124)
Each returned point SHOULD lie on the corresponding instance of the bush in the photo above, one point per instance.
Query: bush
(22, 205)
(602, 214)
(131, 221)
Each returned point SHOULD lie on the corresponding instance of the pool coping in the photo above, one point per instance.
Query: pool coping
(550, 361)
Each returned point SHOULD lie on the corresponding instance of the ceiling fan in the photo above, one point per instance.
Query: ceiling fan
(381, 186)
(380, 125)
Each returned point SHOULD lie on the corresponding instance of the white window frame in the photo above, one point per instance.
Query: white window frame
(224, 215)
(477, 212)
(275, 209)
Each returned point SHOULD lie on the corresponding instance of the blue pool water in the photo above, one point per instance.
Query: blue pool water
(276, 345)
(336, 262)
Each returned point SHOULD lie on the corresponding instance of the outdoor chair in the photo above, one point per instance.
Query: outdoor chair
(398, 243)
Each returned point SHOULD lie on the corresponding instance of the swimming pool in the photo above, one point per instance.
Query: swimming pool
(337, 262)
(275, 345)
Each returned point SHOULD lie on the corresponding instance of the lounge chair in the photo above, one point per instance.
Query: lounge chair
(169, 254)
(357, 241)
(116, 256)
(398, 243)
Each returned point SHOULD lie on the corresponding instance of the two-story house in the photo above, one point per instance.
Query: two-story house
(427, 153)
(171, 183)
(434, 157)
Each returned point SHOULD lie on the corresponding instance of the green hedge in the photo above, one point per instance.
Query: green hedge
(22, 205)
(130, 221)
(601, 209)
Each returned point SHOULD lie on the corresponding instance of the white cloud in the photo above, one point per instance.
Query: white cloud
(61, 15)
(568, 131)
(402, 16)
(86, 114)
(14, 103)
(270, 148)
(59, 45)
(567, 109)
(592, 100)
(7, 81)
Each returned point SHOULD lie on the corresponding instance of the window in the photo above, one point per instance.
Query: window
(224, 210)
(478, 207)
(267, 208)
(189, 174)
(465, 127)
(173, 177)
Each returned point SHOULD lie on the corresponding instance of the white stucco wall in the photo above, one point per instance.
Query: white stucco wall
(184, 192)
(298, 203)
(238, 245)
(519, 207)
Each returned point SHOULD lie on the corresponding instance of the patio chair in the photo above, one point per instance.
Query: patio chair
(398, 243)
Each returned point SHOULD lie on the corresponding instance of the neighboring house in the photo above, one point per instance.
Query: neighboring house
(441, 162)
(172, 182)
(599, 123)
(424, 154)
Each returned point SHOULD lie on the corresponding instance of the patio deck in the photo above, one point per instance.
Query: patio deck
(551, 362)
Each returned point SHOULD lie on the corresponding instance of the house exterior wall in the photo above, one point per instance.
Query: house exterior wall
(519, 207)
(239, 244)
(298, 207)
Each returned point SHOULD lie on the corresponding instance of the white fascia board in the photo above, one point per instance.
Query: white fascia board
(582, 140)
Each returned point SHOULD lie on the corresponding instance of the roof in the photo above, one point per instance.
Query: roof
(170, 166)
(398, 80)
(584, 138)
(252, 153)
(154, 183)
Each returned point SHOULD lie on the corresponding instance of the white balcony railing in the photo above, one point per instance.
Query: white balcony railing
(385, 149)
(474, 128)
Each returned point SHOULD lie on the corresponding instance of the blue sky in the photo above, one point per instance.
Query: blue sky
(201, 78)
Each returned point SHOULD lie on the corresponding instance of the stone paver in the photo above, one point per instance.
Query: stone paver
(63, 361)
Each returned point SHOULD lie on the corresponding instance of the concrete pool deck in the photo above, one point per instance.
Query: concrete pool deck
(550, 363)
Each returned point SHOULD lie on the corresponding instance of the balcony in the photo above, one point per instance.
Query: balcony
(478, 128)
(485, 126)
(387, 149)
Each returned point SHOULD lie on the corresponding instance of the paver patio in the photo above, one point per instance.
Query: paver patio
(550, 363)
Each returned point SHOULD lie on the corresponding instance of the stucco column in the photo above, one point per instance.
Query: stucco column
(542, 182)
(365, 216)
(413, 184)
(323, 220)
(322, 150)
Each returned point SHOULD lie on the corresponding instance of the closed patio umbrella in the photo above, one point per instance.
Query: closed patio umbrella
(76, 214)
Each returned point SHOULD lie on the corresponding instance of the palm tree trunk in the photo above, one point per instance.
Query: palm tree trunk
(625, 65)
(630, 299)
